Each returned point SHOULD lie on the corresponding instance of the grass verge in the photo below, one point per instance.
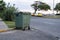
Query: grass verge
(10, 24)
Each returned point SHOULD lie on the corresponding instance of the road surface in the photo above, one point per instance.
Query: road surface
(41, 24)
(26, 35)
(51, 26)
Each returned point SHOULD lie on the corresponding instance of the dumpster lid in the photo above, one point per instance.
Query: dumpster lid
(27, 13)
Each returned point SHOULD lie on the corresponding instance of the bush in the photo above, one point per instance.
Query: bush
(9, 13)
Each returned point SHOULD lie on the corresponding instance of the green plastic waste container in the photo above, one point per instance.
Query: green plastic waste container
(23, 20)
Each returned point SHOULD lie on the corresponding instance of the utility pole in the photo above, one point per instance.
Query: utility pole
(53, 6)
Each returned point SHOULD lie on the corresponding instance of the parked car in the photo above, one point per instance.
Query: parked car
(40, 14)
(33, 14)
(58, 14)
(37, 14)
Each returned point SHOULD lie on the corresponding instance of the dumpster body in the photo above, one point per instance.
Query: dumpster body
(22, 20)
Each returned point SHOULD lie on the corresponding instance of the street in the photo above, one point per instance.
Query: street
(41, 29)
(50, 26)
(26, 35)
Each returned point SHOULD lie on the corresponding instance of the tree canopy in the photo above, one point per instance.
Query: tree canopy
(40, 5)
(44, 7)
(57, 7)
(2, 5)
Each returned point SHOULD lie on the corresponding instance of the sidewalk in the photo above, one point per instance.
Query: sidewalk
(3, 26)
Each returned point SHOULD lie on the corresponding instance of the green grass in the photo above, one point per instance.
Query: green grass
(10, 24)
(56, 16)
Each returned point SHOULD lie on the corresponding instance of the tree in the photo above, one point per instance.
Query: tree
(35, 6)
(57, 7)
(2, 5)
(40, 5)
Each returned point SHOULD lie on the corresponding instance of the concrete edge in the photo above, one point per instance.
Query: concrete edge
(3, 30)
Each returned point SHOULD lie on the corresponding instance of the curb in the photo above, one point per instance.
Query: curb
(2, 30)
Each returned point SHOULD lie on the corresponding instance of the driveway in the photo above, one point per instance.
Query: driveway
(51, 26)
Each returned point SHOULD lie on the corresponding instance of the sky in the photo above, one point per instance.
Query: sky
(26, 4)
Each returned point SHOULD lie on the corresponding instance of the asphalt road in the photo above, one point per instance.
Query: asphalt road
(26, 35)
(51, 26)
(45, 29)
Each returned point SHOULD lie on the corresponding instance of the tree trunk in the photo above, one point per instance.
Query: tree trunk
(57, 11)
(35, 11)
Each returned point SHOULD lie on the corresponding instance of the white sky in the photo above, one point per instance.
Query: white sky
(26, 4)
